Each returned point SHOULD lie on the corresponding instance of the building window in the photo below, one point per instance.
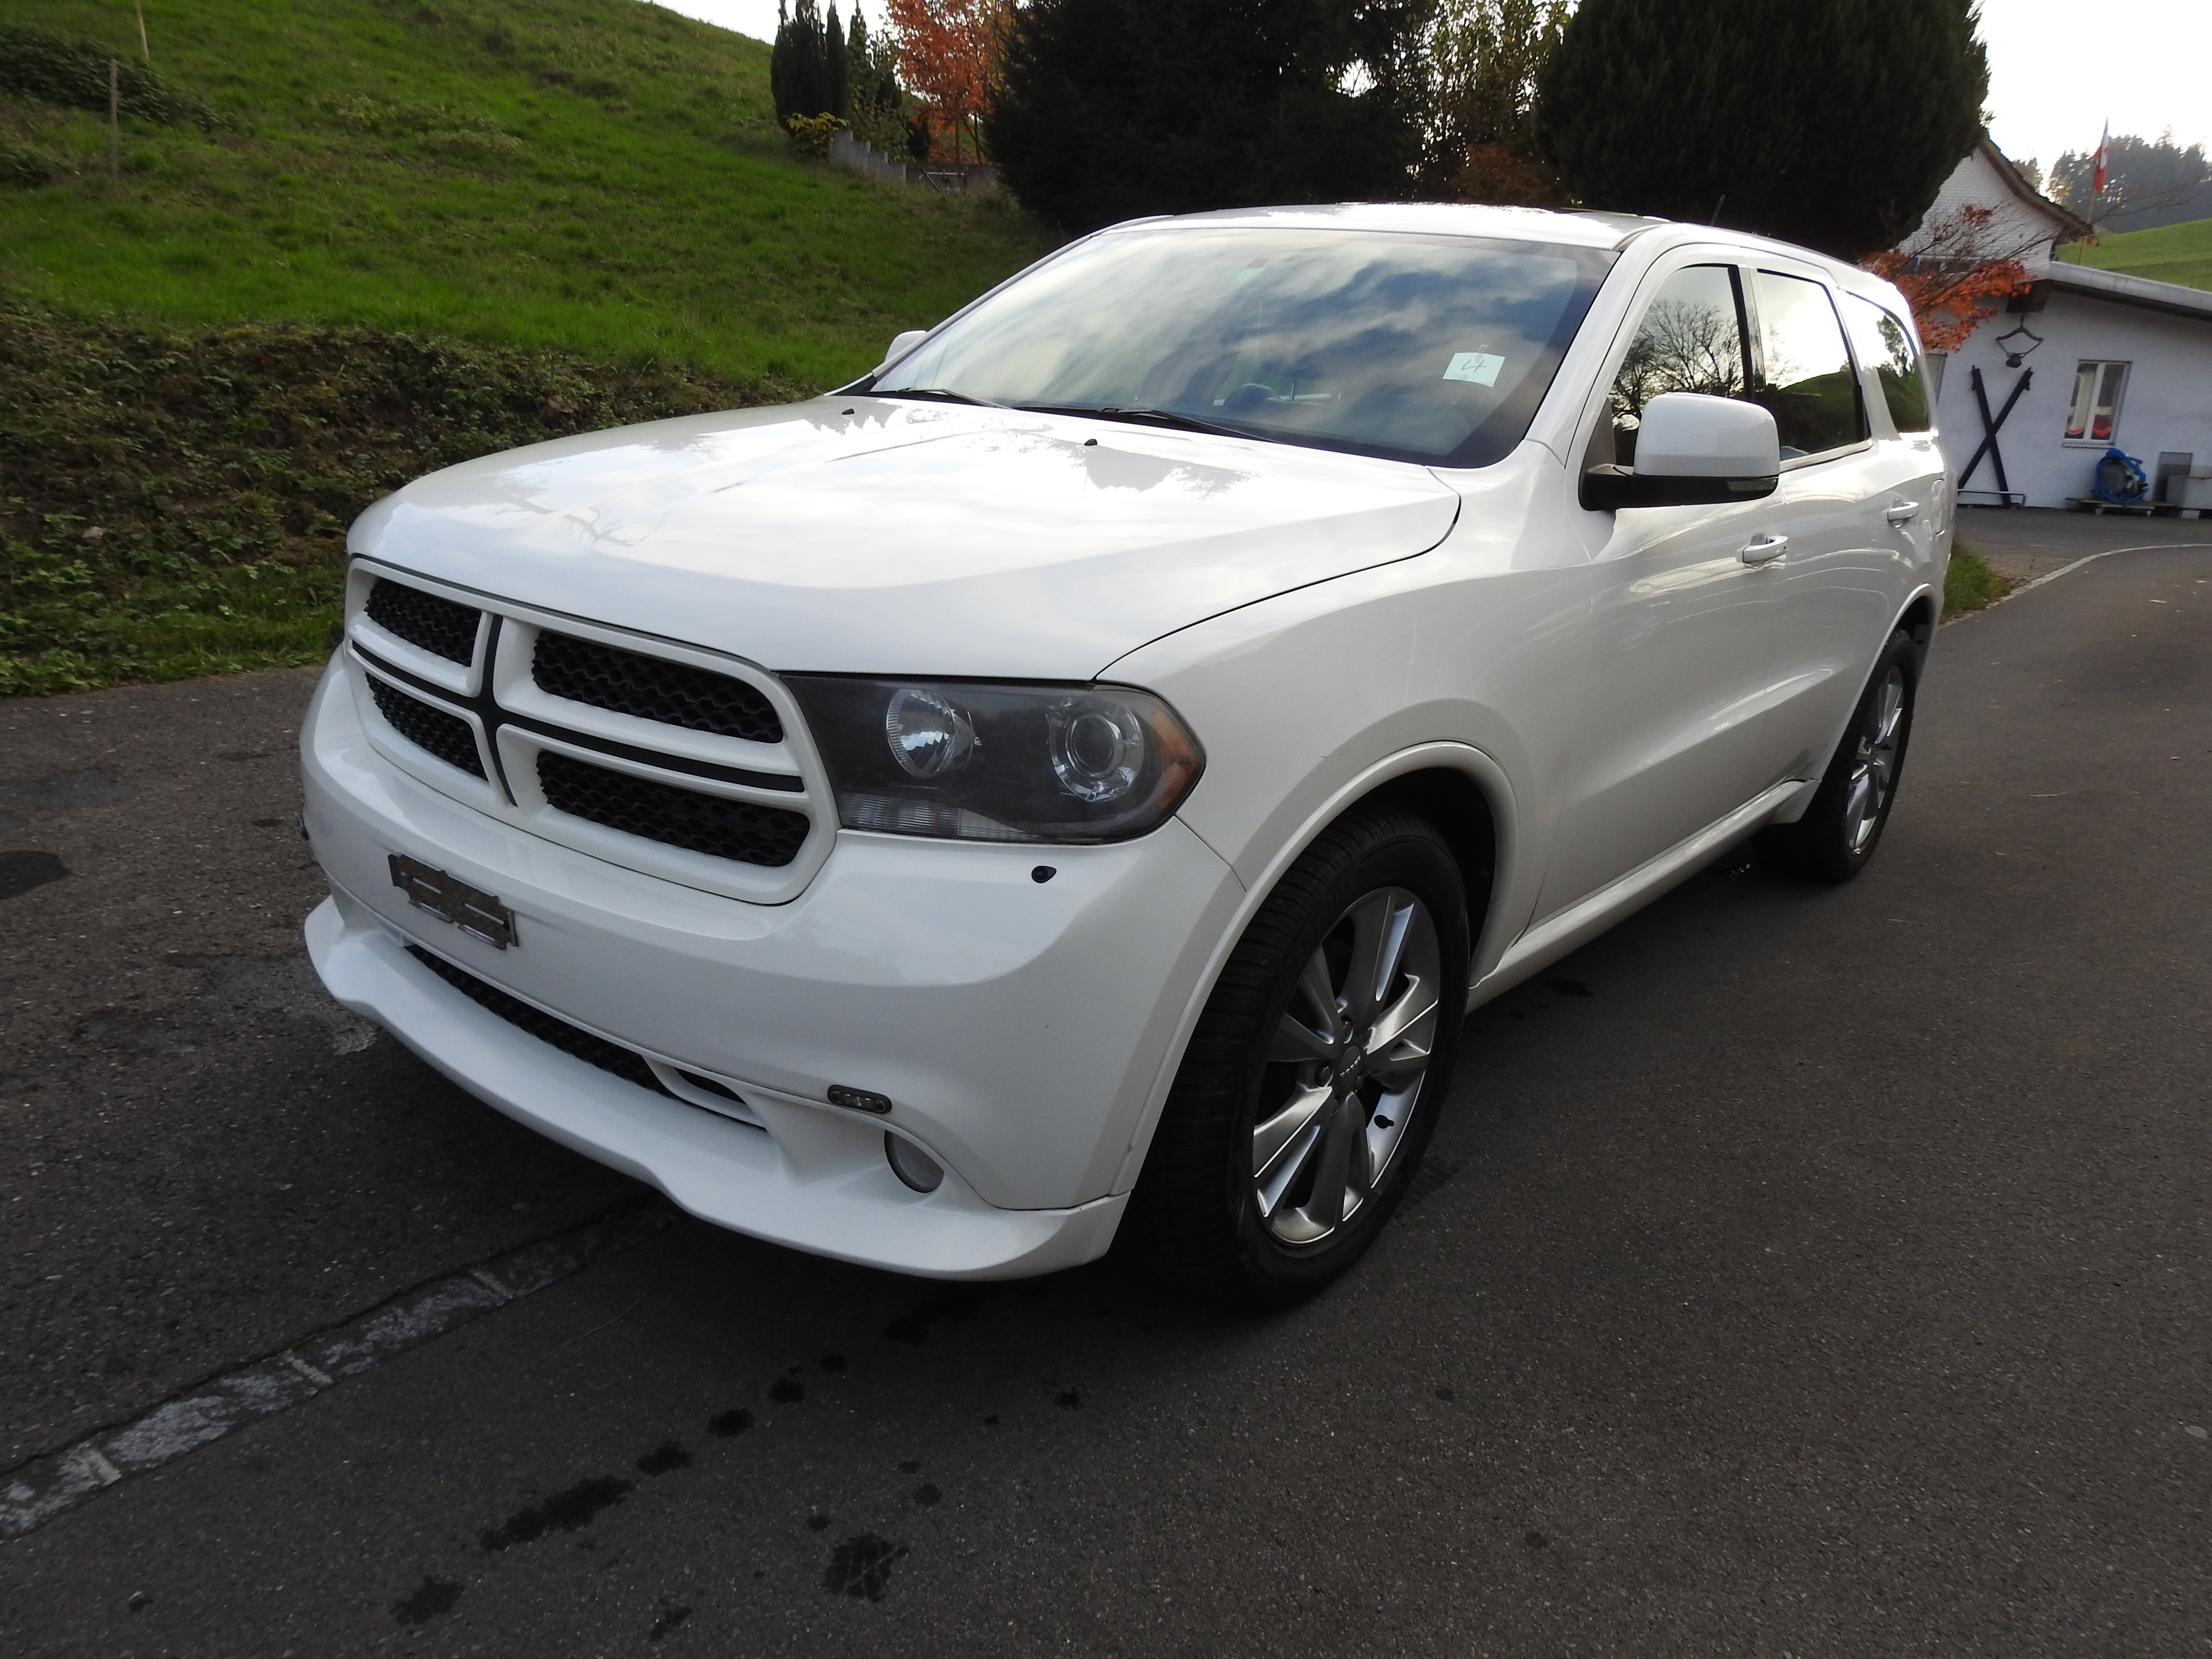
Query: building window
(2094, 414)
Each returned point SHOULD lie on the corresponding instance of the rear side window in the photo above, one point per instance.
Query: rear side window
(1691, 339)
(1806, 382)
(1885, 345)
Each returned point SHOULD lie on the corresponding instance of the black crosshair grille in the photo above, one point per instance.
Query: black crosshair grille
(439, 626)
(624, 1063)
(679, 818)
(652, 688)
(446, 735)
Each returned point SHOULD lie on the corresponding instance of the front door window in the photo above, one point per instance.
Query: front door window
(1807, 381)
(1691, 339)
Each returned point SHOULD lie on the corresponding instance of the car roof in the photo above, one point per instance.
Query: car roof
(1599, 230)
(1573, 228)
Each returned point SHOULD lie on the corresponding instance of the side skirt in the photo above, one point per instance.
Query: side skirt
(1583, 921)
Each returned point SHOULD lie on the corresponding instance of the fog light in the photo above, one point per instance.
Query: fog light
(912, 1165)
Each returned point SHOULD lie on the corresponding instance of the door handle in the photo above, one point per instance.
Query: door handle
(1902, 512)
(1759, 549)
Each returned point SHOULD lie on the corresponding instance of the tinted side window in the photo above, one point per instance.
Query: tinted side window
(1885, 345)
(1691, 339)
(1808, 381)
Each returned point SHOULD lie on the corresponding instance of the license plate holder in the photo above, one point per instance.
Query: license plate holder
(475, 912)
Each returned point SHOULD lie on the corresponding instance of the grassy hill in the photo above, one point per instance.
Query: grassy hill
(598, 175)
(414, 232)
(2172, 253)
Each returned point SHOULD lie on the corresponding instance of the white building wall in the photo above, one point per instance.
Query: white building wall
(2167, 405)
(2017, 229)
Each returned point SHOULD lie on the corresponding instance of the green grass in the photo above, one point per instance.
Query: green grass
(176, 499)
(598, 175)
(1970, 581)
(218, 357)
(2172, 253)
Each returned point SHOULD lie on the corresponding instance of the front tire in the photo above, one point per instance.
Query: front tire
(1313, 1081)
(1836, 838)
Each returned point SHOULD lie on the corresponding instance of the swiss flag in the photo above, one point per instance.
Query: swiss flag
(2097, 179)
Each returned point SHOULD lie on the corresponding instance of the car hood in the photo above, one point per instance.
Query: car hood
(870, 535)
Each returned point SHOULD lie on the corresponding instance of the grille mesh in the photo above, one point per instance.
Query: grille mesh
(680, 817)
(652, 688)
(446, 735)
(439, 626)
(624, 1063)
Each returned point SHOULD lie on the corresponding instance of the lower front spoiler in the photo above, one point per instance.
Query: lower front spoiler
(805, 1182)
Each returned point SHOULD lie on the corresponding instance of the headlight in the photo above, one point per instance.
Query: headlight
(1000, 763)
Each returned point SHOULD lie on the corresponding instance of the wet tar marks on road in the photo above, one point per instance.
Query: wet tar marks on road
(669, 1619)
(948, 1304)
(818, 1521)
(566, 1510)
(135, 1031)
(1446, 1396)
(910, 1465)
(1068, 1398)
(432, 1599)
(786, 1391)
(20, 872)
(247, 986)
(833, 1362)
(927, 1495)
(861, 1566)
(734, 1421)
(1434, 1172)
(1568, 988)
(57, 791)
(668, 1455)
(1536, 1540)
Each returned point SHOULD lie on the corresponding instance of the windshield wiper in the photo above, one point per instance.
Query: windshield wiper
(940, 394)
(1167, 417)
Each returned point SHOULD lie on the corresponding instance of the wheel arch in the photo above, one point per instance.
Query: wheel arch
(1458, 788)
(1920, 617)
(1451, 801)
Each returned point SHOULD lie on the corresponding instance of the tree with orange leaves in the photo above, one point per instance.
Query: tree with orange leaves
(948, 53)
(1953, 275)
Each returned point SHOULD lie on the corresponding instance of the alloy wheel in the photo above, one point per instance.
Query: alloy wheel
(1346, 1066)
(1874, 765)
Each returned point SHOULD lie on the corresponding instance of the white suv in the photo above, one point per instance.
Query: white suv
(1071, 782)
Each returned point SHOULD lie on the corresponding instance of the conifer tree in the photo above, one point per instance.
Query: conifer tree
(833, 62)
(798, 64)
(1831, 123)
(1108, 109)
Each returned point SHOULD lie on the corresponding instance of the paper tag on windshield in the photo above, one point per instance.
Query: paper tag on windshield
(1480, 367)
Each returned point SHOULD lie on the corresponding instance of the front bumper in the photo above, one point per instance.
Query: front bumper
(1021, 1029)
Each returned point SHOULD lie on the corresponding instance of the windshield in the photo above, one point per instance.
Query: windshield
(1420, 347)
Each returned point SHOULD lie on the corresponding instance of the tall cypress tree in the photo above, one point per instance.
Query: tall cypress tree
(1110, 109)
(833, 76)
(1831, 123)
(798, 64)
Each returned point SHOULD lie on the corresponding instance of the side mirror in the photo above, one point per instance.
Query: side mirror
(901, 344)
(1691, 450)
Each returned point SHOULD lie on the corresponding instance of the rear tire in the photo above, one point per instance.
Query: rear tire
(1313, 1081)
(1836, 838)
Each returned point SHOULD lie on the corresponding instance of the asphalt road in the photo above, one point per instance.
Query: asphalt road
(1801, 1271)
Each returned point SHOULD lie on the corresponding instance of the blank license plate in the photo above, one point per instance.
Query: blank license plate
(475, 912)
